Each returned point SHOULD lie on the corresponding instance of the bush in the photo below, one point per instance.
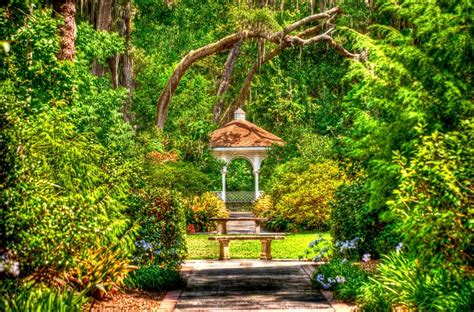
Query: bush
(301, 193)
(339, 273)
(342, 276)
(64, 184)
(179, 176)
(153, 277)
(351, 217)
(201, 209)
(161, 238)
(264, 208)
(434, 201)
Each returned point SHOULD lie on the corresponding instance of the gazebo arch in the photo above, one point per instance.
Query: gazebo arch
(242, 139)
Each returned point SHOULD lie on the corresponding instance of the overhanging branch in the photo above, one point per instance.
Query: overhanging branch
(282, 38)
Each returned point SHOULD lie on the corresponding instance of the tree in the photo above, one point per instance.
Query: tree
(282, 38)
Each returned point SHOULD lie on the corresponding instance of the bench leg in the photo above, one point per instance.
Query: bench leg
(224, 250)
(266, 252)
(257, 227)
(220, 228)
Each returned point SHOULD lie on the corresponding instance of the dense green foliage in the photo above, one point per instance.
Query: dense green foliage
(161, 215)
(66, 181)
(301, 193)
(154, 277)
(380, 150)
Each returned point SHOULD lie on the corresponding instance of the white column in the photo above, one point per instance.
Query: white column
(224, 172)
(255, 173)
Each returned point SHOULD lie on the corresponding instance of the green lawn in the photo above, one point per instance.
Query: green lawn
(292, 247)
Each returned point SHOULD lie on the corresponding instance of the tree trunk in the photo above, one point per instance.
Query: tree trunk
(225, 79)
(127, 65)
(104, 22)
(67, 9)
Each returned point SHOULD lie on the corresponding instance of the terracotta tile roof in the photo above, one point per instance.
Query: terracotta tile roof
(241, 133)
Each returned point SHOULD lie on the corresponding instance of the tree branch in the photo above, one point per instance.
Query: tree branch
(282, 38)
(225, 79)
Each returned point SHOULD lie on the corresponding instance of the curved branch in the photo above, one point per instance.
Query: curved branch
(172, 83)
(281, 38)
(225, 79)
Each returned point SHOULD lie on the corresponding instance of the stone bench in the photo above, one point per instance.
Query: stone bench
(265, 239)
(222, 223)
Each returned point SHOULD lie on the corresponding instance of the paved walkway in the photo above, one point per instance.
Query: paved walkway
(249, 285)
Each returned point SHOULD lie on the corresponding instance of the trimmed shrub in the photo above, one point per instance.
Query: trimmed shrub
(201, 209)
(301, 193)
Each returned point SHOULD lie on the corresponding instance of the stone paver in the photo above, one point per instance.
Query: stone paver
(249, 285)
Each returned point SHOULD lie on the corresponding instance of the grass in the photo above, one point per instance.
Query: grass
(292, 247)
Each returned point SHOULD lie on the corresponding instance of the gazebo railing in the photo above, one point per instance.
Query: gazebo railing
(239, 196)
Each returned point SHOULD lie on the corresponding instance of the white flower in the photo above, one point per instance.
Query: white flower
(366, 257)
(399, 246)
(15, 269)
(340, 279)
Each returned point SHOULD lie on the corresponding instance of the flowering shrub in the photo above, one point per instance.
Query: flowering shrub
(202, 208)
(161, 215)
(339, 273)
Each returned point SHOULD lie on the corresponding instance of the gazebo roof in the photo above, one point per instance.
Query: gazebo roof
(242, 133)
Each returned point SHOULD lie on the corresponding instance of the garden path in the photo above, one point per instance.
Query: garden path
(247, 285)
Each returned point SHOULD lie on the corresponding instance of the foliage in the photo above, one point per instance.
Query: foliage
(239, 176)
(418, 71)
(264, 208)
(342, 276)
(101, 273)
(65, 186)
(302, 192)
(434, 200)
(340, 272)
(201, 209)
(161, 215)
(180, 176)
(38, 298)
(350, 217)
(401, 280)
(153, 277)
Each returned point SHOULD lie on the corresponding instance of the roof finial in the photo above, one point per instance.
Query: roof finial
(239, 114)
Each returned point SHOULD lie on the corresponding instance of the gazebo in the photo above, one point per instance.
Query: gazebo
(241, 139)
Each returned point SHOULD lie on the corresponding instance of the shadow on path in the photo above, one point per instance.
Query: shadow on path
(250, 285)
